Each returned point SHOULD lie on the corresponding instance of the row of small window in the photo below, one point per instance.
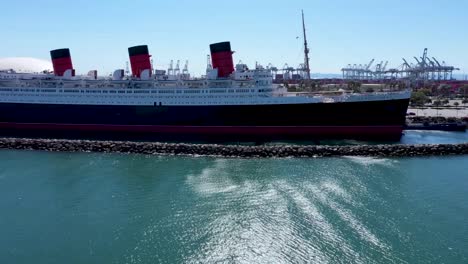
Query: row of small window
(243, 90)
(155, 96)
(164, 91)
(265, 90)
(134, 103)
(56, 95)
(27, 90)
(258, 76)
(137, 92)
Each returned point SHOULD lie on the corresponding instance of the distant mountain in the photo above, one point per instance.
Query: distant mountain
(23, 64)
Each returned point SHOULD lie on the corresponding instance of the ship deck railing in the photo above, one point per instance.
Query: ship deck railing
(129, 84)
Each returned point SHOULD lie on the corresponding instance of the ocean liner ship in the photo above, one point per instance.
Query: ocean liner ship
(234, 103)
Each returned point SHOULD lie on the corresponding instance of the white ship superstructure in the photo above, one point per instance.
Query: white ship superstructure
(246, 87)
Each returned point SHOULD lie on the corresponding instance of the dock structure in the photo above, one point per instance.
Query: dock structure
(419, 70)
(360, 71)
(294, 74)
(424, 68)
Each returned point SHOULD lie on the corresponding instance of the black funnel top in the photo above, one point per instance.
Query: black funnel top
(220, 47)
(138, 50)
(60, 53)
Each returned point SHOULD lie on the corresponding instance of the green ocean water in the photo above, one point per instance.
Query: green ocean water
(109, 208)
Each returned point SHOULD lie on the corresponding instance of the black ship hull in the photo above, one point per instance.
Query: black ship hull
(365, 120)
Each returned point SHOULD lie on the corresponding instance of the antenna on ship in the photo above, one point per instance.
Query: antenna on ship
(306, 49)
(208, 63)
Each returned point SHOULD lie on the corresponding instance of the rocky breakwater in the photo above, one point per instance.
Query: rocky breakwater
(155, 148)
(436, 119)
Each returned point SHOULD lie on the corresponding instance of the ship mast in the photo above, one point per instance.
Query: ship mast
(306, 50)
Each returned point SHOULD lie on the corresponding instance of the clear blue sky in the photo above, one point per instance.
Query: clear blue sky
(339, 31)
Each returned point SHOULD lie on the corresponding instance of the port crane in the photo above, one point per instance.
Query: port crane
(370, 64)
(439, 74)
(185, 71)
(306, 50)
(170, 70)
(177, 68)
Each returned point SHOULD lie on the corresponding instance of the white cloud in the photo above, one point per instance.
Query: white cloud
(24, 64)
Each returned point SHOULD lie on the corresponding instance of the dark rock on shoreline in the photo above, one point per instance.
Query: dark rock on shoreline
(437, 119)
(156, 148)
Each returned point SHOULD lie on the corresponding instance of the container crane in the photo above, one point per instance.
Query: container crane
(385, 66)
(439, 72)
(286, 72)
(419, 63)
(185, 70)
(378, 70)
(170, 71)
(177, 68)
(407, 68)
(378, 67)
(370, 64)
(424, 56)
(406, 64)
(432, 67)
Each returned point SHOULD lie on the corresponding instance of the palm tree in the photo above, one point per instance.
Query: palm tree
(445, 102)
(437, 103)
(456, 104)
(465, 101)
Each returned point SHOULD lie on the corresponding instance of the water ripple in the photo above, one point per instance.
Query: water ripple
(371, 161)
(318, 223)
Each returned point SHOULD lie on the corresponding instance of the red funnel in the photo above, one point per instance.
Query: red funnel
(221, 55)
(139, 60)
(61, 61)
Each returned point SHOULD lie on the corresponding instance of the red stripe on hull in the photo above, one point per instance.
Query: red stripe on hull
(217, 130)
